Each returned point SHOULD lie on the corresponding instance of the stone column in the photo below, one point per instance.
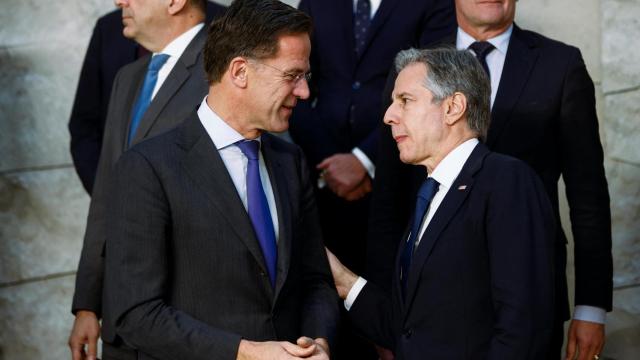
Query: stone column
(43, 207)
(621, 108)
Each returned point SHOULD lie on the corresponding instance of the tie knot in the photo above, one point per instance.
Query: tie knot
(249, 148)
(157, 61)
(481, 48)
(428, 188)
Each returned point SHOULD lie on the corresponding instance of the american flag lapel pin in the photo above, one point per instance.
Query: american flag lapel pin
(462, 187)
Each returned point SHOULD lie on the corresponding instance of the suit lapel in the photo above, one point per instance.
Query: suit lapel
(205, 166)
(520, 59)
(446, 211)
(380, 17)
(179, 74)
(274, 161)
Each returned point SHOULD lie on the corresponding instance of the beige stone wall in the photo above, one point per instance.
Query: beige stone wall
(43, 207)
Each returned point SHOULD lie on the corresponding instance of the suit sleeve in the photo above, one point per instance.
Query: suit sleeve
(373, 314)
(137, 274)
(85, 120)
(90, 274)
(586, 188)
(321, 303)
(520, 233)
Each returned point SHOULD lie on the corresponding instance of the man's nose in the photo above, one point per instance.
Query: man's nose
(301, 89)
(391, 116)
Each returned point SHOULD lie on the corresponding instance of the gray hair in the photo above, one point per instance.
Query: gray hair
(449, 71)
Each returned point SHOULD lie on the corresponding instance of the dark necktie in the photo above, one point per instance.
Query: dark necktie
(361, 22)
(482, 49)
(258, 208)
(144, 99)
(425, 195)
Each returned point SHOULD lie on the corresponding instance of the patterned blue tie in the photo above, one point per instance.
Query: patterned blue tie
(428, 189)
(258, 208)
(144, 99)
(361, 22)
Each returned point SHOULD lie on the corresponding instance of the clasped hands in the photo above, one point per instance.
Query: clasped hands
(345, 175)
(305, 348)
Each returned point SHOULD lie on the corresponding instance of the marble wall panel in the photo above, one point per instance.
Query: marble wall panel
(575, 22)
(43, 215)
(35, 319)
(622, 127)
(625, 211)
(620, 53)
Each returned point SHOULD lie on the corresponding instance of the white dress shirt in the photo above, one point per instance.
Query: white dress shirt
(174, 49)
(495, 59)
(224, 138)
(445, 174)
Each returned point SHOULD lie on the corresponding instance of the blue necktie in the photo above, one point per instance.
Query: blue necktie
(144, 99)
(258, 208)
(425, 195)
(361, 22)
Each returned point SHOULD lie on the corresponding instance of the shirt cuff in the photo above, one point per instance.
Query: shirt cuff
(366, 162)
(590, 313)
(354, 292)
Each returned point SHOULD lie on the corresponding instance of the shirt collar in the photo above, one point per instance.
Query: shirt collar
(449, 168)
(500, 42)
(176, 47)
(219, 131)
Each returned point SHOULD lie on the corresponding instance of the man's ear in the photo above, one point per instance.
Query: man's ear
(238, 71)
(455, 108)
(175, 6)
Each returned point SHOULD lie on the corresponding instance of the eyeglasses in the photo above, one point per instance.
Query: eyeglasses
(293, 78)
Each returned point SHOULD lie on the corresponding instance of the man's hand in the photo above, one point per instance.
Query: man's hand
(342, 276)
(360, 191)
(342, 173)
(86, 330)
(252, 350)
(585, 339)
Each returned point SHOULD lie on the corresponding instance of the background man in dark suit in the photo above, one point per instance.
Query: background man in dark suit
(180, 82)
(108, 51)
(474, 278)
(214, 249)
(543, 112)
(353, 45)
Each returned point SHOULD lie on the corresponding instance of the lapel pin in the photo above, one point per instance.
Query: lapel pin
(462, 187)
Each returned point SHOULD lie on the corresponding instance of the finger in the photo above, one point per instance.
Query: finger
(324, 163)
(298, 351)
(92, 351)
(305, 342)
(77, 350)
(571, 346)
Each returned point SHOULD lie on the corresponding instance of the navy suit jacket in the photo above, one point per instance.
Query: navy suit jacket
(185, 275)
(481, 280)
(544, 114)
(344, 108)
(108, 51)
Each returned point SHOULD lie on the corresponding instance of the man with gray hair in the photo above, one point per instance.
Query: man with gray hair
(474, 273)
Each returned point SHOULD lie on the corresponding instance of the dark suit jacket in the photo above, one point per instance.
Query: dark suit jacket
(343, 110)
(179, 95)
(480, 284)
(185, 276)
(544, 113)
(107, 53)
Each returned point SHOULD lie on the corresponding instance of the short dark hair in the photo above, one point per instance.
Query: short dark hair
(450, 70)
(250, 28)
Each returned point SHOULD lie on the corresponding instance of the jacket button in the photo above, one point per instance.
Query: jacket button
(356, 85)
(408, 333)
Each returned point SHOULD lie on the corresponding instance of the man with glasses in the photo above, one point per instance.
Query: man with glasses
(214, 249)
